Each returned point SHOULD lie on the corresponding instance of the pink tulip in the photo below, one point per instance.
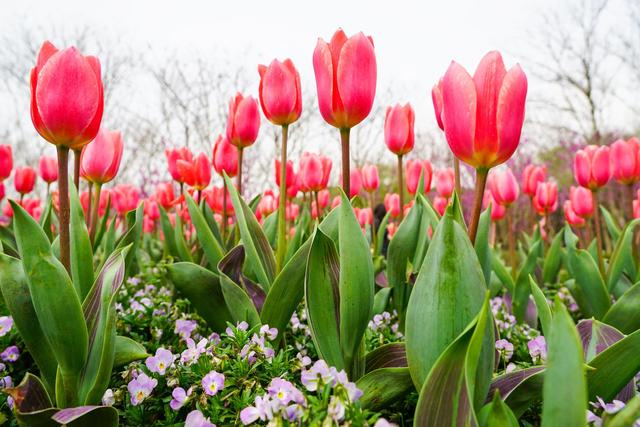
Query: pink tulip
(314, 171)
(440, 204)
(24, 180)
(392, 204)
(356, 182)
(280, 94)
(290, 174)
(531, 177)
(370, 179)
(398, 129)
(48, 168)
(196, 173)
(504, 187)
(571, 216)
(225, 157)
(268, 204)
(591, 166)
(165, 195)
(546, 199)
(498, 211)
(364, 216)
(243, 122)
(445, 182)
(100, 160)
(345, 70)
(636, 208)
(6, 161)
(66, 96)
(391, 230)
(173, 155)
(323, 198)
(436, 98)
(483, 115)
(336, 202)
(582, 201)
(124, 198)
(415, 168)
(625, 160)
(215, 198)
(292, 211)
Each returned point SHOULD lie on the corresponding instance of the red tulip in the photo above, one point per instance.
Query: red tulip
(370, 179)
(498, 211)
(173, 155)
(66, 96)
(292, 211)
(243, 122)
(24, 180)
(216, 200)
(48, 168)
(280, 94)
(571, 216)
(398, 129)
(531, 177)
(436, 97)
(364, 216)
(100, 160)
(165, 195)
(504, 187)
(591, 166)
(314, 172)
(346, 73)
(356, 182)
(445, 182)
(440, 204)
(124, 198)
(290, 173)
(483, 115)
(225, 157)
(546, 199)
(415, 168)
(6, 161)
(196, 173)
(625, 160)
(392, 204)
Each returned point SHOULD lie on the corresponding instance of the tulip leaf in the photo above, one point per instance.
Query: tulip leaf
(55, 301)
(380, 233)
(127, 351)
(622, 260)
(482, 243)
(45, 218)
(299, 237)
(625, 313)
(565, 388)
(611, 223)
(102, 225)
(270, 228)
(81, 249)
(501, 272)
(213, 224)
(181, 244)
(446, 297)
(135, 220)
(542, 306)
(519, 388)
(553, 260)
(86, 416)
(391, 355)
(384, 386)
(522, 285)
(210, 245)
(168, 233)
(32, 404)
(259, 253)
(381, 300)
(8, 242)
(497, 414)
(628, 415)
(238, 301)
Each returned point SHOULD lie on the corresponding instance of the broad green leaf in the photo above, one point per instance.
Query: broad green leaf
(383, 387)
(32, 404)
(238, 301)
(213, 224)
(81, 249)
(270, 227)
(127, 351)
(622, 260)
(501, 272)
(210, 245)
(181, 245)
(482, 243)
(611, 223)
(497, 414)
(135, 220)
(522, 286)
(8, 241)
(520, 388)
(45, 219)
(87, 416)
(553, 260)
(625, 313)
(446, 297)
(202, 288)
(391, 355)
(542, 306)
(168, 233)
(109, 241)
(381, 300)
(565, 387)
(322, 295)
(429, 218)
(102, 225)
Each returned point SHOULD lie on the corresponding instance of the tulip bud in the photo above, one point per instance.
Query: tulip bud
(225, 157)
(280, 94)
(571, 216)
(314, 172)
(6, 161)
(66, 96)
(625, 160)
(504, 187)
(440, 204)
(398, 129)
(392, 204)
(546, 199)
(370, 179)
(197, 173)
(100, 160)
(243, 122)
(445, 182)
(290, 174)
(415, 168)
(591, 166)
(24, 180)
(268, 204)
(531, 177)
(582, 201)
(48, 168)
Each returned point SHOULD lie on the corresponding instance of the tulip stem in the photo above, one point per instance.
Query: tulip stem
(90, 204)
(315, 197)
(481, 181)
(400, 186)
(282, 201)
(95, 207)
(346, 172)
(630, 200)
(512, 244)
(596, 225)
(374, 234)
(456, 172)
(76, 169)
(63, 197)
(224, 211)
(239, 176)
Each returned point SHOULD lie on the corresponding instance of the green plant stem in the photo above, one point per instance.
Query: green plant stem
(512, 243)
(401, 186)
(630, 197)
(76, 169)
(456, 172)
(224, 210)
(346, 167)
(315, 197)
(374, 233)
(239, 176)
(481, 181)
(90, 202)
(281, 248)
(597, 226)
(95, 212)
(63, 197)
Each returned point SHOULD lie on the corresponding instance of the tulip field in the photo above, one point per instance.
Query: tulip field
(513, 301)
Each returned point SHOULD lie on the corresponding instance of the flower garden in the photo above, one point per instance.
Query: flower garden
(199, 303)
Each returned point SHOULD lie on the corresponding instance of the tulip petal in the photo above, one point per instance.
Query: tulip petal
(46, 51)
(510, 115)
(459, 110)
(323, 69)
(247, 120)
(278, 93)
(488, 81)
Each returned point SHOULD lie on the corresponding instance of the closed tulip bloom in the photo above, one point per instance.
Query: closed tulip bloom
(440, 204)
(6, 161)
(571, 216)
(124, 198)
(48, 168)
(280, 94)
(165, 195)
(625, 160)
(483, 115)
(398, 129)
(292, 190)
(365, 216)
(197, 173)
(100, 160)
(531, 177)
(292, 211)
(268, 204)
(504, 187)
(24, 180)
(225, 157)
(445, 182)
(243, 122)
(173, 155)
(67, 97)
(314, 172)
(323, 198)
(415, 168)
(582, 201)
(436, 97)
(290, 174)
(546, 199)
(346, 72)
(370, 179)
(498, 211)
(392, 204)
(591, 166)
(356, 182)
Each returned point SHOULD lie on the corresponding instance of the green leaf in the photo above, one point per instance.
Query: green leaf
(8, 242)
(168, 233)
(628, 415)
(497, 414)
(482, 243)
(203, 289)
(55, 301)
(238, 301)
(381, 300)
(542, 306)
(611, 223)
(383, 387)
(522, 286)
(109, 242)
(181, 245)
(32, 404)
(622, 260)
(391, 355)
(210, 245)
(565, 388)
(45, 219)
(520, 388)
(87, 416)
(81, 249)
(102, 225)
(553, 260)
(322, 296)
(356, 284)
(380, 233)
(625, 313)
(213, 224)
(135, 220)
(299, 237)
(259, 253)
(17, 297)
(270, 227)
(446, 297)
(127, 351)
(501, 272)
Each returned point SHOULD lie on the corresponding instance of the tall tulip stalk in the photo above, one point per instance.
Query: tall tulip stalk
(483, 117)
(399, 137)
(225, 160)
(346, 74)
(243, 125)
(281, 101)
(505, 191)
